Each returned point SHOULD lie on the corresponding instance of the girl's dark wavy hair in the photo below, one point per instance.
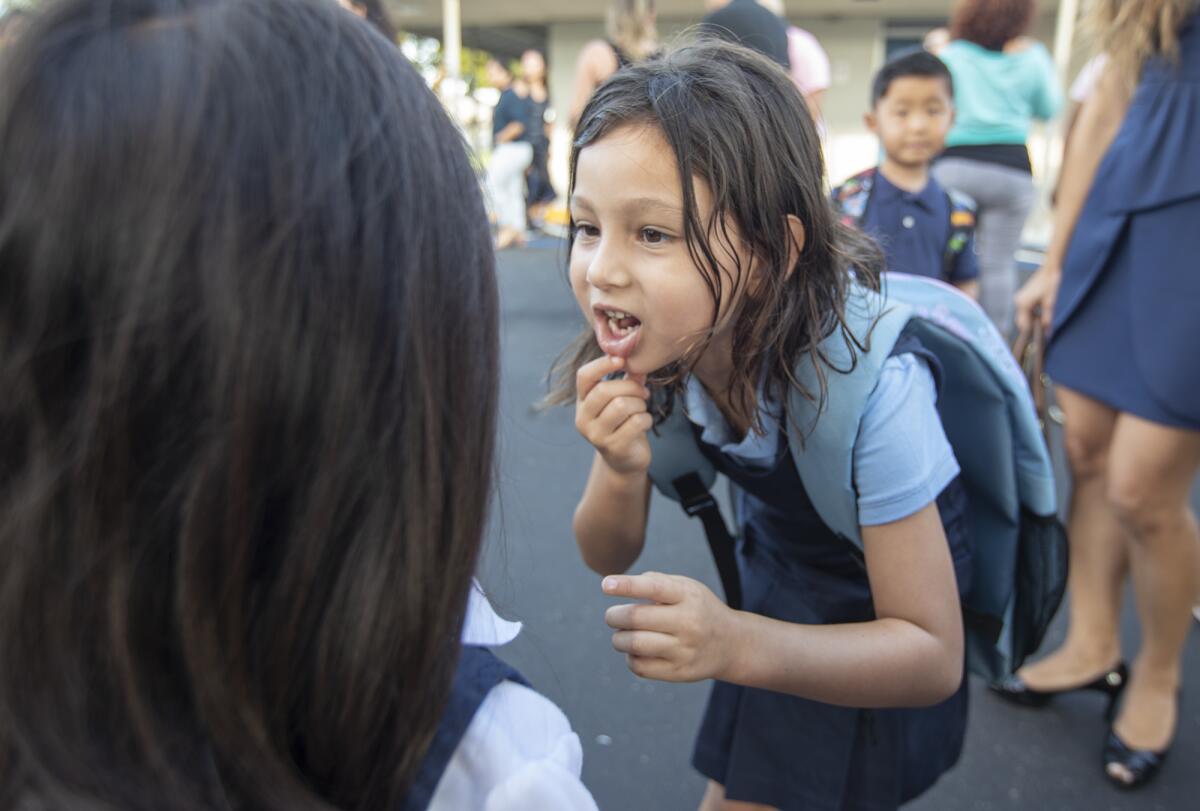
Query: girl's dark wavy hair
(248, 353)
(735, 120)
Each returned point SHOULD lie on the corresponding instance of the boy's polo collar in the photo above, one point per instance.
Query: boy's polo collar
(928, 198)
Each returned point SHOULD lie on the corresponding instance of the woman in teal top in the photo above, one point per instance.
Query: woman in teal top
(1002, 82)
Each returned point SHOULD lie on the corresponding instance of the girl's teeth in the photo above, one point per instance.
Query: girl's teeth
(616, 328)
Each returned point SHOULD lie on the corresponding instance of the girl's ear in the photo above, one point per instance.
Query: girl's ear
(796, 239)
(871, 122)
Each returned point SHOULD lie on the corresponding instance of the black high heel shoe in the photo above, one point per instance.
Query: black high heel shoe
(1142, 764)
(1014, 689)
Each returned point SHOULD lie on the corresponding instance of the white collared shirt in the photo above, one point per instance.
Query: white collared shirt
(519, 752)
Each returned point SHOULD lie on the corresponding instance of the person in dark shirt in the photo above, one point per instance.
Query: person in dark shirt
(923, 229)
(512, 153)
(749, 24)
(539, 191)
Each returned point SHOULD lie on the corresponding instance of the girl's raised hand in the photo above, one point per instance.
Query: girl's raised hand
(686, 633)
(613, 415)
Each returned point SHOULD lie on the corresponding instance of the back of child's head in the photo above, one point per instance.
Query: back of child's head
(248, 350)
(992, 24)
(733, 119)
(917, 63)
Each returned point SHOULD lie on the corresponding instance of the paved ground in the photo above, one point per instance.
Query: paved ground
(636, 734)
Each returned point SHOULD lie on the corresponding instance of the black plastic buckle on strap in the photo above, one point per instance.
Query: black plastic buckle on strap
(696, 504)
(693, 495)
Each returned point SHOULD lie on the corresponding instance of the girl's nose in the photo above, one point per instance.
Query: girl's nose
(608, 268)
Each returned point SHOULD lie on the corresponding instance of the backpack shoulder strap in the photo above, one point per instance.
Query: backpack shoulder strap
(822, 434)
(962, 228)
(851, 198)
(681, 472)
(674, 454)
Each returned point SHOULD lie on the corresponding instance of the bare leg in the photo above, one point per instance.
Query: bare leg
(714, 800)
(1099, 553)
(1150, 478)
(1196, 607)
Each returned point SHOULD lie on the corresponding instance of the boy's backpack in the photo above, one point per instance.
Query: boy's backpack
(1019, 547)
(852, 198)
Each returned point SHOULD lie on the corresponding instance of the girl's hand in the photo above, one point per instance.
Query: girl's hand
(613, 415)
(685, 634)
(1036, 298)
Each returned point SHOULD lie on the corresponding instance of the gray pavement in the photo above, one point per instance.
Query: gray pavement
(637, 735)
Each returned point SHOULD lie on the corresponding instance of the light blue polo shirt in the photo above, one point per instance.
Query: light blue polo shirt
(902, 459)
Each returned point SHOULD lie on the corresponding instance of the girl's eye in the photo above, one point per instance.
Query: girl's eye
(586, 230)
(652, 236)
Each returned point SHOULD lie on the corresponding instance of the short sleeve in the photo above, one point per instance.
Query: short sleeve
(966, 264)
(1048, 99)
(902, 459)
(518, 753)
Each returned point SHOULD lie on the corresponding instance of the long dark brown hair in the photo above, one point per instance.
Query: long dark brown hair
(248, 360)
(734, 119)
(1131, 34)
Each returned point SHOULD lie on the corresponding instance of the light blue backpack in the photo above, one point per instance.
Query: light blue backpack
(1018, 545)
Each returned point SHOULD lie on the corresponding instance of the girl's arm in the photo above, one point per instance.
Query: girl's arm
(912, 655)
(596, 63)
(1099, 120)
(610, 521)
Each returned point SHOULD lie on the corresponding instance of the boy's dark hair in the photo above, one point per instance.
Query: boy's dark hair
(248, 353)
(913, 63)
(733, 118)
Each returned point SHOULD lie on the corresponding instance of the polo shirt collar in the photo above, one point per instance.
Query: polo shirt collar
(927, 197)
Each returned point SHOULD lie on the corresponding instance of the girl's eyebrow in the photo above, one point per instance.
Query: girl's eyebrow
(636, 204)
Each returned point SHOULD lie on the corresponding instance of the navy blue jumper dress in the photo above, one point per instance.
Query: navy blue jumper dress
(1125, 327)
(479, 670)
(791, 752)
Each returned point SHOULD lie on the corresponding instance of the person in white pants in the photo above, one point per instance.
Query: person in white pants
(511, 155)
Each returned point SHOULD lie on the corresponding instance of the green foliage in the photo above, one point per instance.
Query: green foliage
(427, 54)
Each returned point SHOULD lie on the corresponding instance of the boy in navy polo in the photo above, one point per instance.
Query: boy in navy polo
(923, 229)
